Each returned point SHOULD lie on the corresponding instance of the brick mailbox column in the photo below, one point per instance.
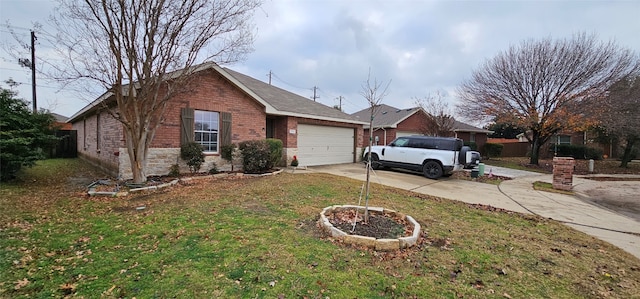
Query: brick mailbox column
(563, 173)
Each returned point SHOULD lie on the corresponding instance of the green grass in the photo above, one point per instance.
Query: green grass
(548, 187)
(257, 238)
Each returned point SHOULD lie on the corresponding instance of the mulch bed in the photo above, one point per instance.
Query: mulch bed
(486, 178)
(380, 226)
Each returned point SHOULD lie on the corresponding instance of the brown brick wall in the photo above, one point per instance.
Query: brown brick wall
(100, 142)
(413, 123)
(380, 133)
(211, 92)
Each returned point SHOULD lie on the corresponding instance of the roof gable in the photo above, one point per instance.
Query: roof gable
(385, 116)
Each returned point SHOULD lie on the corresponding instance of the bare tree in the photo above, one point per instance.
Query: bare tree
(374, 92)
(544, 85)
(439, 117)
(134, 47)
(622, 114)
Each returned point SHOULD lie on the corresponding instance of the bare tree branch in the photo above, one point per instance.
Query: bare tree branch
(439, 117)
(374, 92)
(132, 48)
(621, 115)
(545, 85)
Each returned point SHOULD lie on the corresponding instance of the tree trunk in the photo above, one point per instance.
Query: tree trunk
(137, 157)
(535, 149)
(628, 150)
(366, 201)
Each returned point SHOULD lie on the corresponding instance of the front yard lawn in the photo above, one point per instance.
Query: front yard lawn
(257, 238)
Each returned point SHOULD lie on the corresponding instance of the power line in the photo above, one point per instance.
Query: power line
(280, 79)
(17, 70)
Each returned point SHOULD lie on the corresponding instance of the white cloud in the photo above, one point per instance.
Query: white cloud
(467, 34)
(421, 46)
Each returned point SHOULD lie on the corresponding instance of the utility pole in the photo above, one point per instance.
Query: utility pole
(33, 70)
(269, 75)
(315, 88)
(340, 102)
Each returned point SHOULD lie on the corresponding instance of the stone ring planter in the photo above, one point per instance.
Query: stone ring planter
(377, 244)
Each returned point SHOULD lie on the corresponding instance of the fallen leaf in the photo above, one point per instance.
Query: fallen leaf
(68, 288)
(21, 283)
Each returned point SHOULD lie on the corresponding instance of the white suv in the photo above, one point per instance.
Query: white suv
(433, 156)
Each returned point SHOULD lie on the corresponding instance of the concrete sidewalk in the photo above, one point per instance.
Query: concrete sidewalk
(515, 195)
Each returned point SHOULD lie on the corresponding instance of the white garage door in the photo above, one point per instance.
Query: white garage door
(323, 145)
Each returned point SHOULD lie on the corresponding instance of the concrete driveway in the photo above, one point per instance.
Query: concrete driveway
(515, 195)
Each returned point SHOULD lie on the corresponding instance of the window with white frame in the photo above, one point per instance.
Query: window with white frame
(206, 126)
(564, 139)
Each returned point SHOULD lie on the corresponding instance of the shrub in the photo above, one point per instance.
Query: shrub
(26, 136)
(174, 171)
(256, 156)
(472, 145)
(213, 169)
(192, 153)
(294, 162)
(576, 151)
(275, 149)
(493, 150)
(593, 153)
(226, 152)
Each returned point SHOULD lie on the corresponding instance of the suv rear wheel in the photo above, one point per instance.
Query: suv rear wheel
(432, 170)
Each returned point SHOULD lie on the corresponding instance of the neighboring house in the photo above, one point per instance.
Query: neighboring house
(61, 122)
(390, 122)
(587, 138)
(469, 133)
(222, 107)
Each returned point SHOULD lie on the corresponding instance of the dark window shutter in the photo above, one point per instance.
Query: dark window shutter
(225, 136)
(186, 125)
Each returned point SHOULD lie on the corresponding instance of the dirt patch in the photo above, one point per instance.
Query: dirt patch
(379, 226)
(619, 196)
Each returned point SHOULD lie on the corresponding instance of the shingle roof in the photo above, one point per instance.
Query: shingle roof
(389, 117)
(287, 102)
(276, 100)
(385, 115)
(462, 127)
(59, 118)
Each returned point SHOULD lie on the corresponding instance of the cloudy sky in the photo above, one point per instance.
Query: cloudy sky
(422, 47)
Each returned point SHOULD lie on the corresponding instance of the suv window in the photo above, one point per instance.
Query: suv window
(439, 143)
(401, 142)
(422, 143)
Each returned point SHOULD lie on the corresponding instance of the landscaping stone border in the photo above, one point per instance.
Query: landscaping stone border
(92, 188)
(377, 244)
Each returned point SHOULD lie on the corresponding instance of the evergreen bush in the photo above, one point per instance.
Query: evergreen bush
(275, 149)
(256, 156)
(192, 153)
(493, 150)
